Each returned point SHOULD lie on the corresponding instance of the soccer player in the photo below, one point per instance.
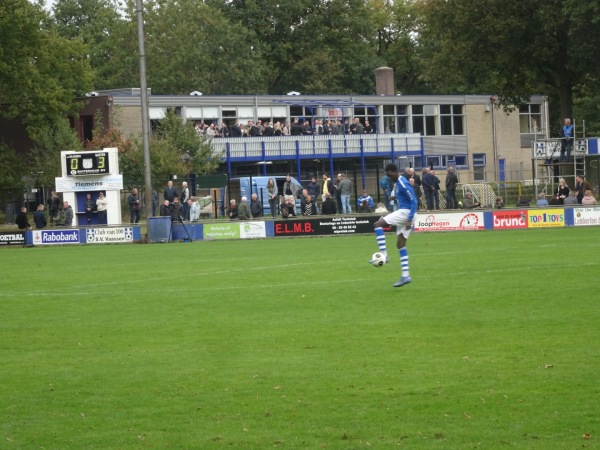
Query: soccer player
(402, 219)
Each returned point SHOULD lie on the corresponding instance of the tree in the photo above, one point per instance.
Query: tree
(395, 22)
(510, 47)
(40, 71)
(192, 47)
(109, 36)
(51, 140)
(176, 148)
(312, 46)
(12, 167)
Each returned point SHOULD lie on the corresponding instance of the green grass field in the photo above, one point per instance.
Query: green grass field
(299, 343)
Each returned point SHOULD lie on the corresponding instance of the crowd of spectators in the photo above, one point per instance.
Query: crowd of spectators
(297, 127)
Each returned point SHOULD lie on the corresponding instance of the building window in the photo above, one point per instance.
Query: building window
(424, 119)
(530, 119)
(460, 160)
(451, 120)
(479, 166)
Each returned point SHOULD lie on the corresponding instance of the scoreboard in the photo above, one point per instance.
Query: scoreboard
(87, 163)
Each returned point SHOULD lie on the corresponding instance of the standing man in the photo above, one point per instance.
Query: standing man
(327, 186)
(338, 198)
(581, 186)
(436, 189)
(88, 207)
(313, 188)
(402, 219)
(358, 127)
(345, 188)
(451, 182)
(68, 213)
(54, 207)
(417, 185)
(428, 187)
(567, 141)
(170, 192)
(134, 206)
(154, 202)
(39, 218)
(185, 196)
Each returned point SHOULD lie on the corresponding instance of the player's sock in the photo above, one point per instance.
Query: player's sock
(379, 234)
(404, 262)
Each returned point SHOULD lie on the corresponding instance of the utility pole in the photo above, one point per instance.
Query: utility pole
(145, 115)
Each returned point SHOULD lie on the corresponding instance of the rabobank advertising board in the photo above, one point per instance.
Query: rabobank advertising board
(49, 237)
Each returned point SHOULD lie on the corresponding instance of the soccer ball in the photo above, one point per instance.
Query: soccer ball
(378, 259)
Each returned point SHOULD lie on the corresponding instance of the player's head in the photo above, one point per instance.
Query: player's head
(391, 170)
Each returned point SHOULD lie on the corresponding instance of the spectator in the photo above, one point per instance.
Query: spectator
(101, 207)
(451, 182)
(385, 183)
(194, 209)
(68, 214)
(345, 188)
(256, 207)
(522, 202)
(88, 207)
(338, 196)
(571, 199)
(328, 206)
(183, 198)
(429, 188)
(22, 220)
(542, 201)
(310, 208)
(296, 128)
(290, 189)
(417, 186)
(165, 209)
(567, 141)
(562, 191)
(134, 206)
(358, 127)
(170, 192)
(154, 202)
(313, 188)
(499, 203)
(365, 202)
(588, 198)
(436, 189)
(39, 217)
(469, 203)
(288, 208)
(581, 186)
(327, 186)
(55, 205)
(232, 212)
(243, 209)
(273, 194)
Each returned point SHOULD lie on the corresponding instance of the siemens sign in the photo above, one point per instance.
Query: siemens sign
(43, 237)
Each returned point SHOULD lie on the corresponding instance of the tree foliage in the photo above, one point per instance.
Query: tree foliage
(510, 47)
(51, 140)
(40, 71)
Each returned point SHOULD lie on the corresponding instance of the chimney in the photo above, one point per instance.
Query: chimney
(384, 81)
